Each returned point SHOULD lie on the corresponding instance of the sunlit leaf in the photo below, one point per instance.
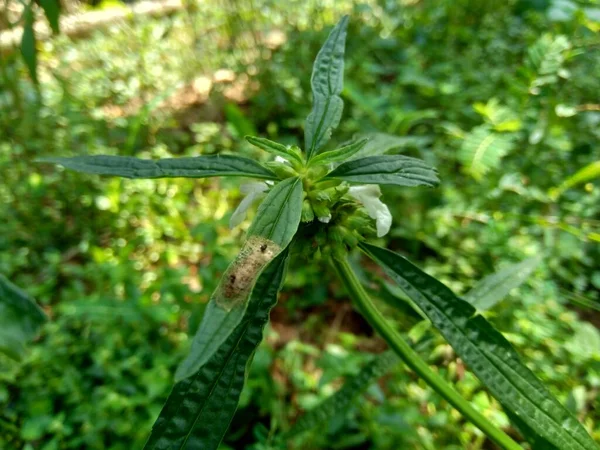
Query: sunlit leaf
(327, 82)
(398, 170)
(545, 59)
(487, 353)
(20, 319)
(189, 167)
(200, 408)
(482, 150)
(587, 173)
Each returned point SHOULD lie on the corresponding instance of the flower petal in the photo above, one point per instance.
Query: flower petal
(369, 195)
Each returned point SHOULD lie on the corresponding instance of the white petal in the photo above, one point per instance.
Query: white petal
(253, 191)
(253, 186)
(281, 159)
(369, 195)
(325, 219)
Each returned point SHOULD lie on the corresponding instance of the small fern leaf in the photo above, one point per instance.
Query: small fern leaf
(482, 150)
(546, 58)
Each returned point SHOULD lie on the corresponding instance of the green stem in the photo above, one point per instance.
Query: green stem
(413, 360)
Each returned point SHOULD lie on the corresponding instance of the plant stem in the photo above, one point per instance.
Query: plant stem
(413, 360)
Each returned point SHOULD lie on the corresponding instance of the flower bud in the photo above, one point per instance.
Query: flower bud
(281, 169)
(308, 214)
(321, 211)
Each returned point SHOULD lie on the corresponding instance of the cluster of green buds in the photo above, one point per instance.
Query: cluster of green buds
(335, 216)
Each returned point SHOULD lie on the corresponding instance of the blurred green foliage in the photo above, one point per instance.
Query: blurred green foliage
(500, 96)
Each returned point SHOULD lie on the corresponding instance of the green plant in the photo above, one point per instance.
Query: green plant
(324, 204)
(20, 319)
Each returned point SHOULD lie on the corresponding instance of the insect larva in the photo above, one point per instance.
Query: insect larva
(240, 276)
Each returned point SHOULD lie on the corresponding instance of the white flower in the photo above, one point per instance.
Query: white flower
(369, 195)
(252, 191)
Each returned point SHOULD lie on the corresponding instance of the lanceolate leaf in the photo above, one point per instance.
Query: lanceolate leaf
(214, 329)
(200, 408)
(493, 288)
(190, 167)
(276, 222)
(537, 442)
(340, 154)
(327, 82)
(341, 401)
(583, 175)
(20, 319)
(52, 12)
(274, 147)
(28, 43)
(398, 170)
(279, 214)
(489, 355)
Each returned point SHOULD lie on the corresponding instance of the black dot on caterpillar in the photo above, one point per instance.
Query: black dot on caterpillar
(240, 276)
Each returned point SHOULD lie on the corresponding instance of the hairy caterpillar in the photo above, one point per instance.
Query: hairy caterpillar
(239, 278)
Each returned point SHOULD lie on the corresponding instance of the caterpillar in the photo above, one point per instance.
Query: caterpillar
(240, 276)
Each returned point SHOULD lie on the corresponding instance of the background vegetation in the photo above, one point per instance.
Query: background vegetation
(502, 97)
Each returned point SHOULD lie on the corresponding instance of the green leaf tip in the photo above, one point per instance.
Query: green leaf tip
(275, 148)
(327, 82)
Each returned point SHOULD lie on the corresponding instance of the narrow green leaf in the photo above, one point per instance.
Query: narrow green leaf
(28, 43)
(398, 170)
(279, 214)
(587, 173)
(200, 408)
(190, 167)
(20, 319)
(327, 82)
(340, 154)
(493, 288)
(275, 148)
(276, 222)
(52, 12)
(216, 326)
(488, 354)
(382, 143)
(537, 442)
(341, 401)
